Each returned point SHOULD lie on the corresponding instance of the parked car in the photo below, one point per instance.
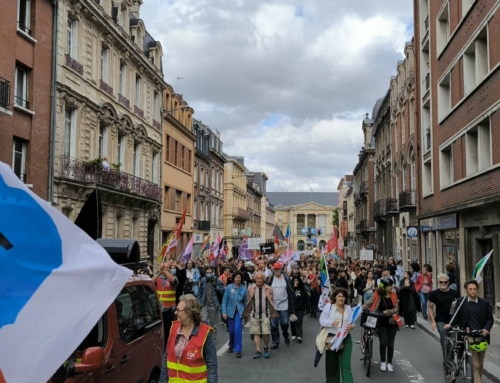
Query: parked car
(126, 344)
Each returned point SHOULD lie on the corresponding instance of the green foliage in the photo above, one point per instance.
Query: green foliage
(116, 166)
(336, 217)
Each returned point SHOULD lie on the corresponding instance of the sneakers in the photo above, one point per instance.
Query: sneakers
(274, 346)
(239, 355)
(426, 317)
(287, 341)
(383, 366)
(406, 326)
(300, 339)
(294, 337)
(257, 355)
(412, 327)
(267, 354)
(390, 368)
(230, 350)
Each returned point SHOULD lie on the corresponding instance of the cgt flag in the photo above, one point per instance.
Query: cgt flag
(46, 265)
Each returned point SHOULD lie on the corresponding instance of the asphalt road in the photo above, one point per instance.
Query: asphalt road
(417, 359)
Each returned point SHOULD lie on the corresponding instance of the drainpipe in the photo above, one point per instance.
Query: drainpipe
(53, 92)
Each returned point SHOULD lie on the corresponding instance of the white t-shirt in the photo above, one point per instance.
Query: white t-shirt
(280, 294)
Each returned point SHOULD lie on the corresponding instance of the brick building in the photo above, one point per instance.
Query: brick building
(26, 30)
(108, 132)
(458, 57)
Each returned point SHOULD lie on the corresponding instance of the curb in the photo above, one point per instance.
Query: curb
(490, 370)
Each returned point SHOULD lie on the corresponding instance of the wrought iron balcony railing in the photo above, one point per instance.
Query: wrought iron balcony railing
(4, 93)
(407, 199)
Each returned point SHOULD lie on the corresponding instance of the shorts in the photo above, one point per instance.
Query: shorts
(260, 326)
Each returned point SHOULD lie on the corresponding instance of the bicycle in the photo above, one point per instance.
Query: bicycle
(369, 326)
(458, 359)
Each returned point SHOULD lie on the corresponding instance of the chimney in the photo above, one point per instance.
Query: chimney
(135, 8)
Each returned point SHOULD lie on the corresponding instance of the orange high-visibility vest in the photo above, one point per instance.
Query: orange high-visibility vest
(166, 295)
(376, 298)
(191, 366)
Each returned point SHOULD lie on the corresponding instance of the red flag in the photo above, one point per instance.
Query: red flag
(276, 240)
(171, 244)
(332, 243)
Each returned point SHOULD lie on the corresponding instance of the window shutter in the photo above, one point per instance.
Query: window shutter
(171, 149)
(172, 198)
(185, 202)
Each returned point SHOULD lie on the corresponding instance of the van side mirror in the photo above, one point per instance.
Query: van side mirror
(92, 360)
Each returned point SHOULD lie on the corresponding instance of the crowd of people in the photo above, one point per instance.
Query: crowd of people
(274, 298)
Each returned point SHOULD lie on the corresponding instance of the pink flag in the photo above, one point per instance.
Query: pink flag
(188, 251)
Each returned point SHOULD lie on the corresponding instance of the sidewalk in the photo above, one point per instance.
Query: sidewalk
(492, 359)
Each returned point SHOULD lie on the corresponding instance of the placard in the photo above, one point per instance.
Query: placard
(366, 255)
(254, 243)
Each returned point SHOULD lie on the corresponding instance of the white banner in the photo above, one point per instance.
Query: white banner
(366, 255)
(254, 243)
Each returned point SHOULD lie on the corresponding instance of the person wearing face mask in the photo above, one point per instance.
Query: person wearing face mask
(166, 283)
(210, 289)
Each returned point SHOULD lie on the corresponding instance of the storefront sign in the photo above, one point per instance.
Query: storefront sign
(444, 222)
(412, 231)
(482, 217)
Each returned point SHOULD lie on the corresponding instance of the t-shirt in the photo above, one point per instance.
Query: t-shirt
(280, 294)
(260, 307)
(443, 300)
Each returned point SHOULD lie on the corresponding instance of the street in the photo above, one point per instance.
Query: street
(417, 359)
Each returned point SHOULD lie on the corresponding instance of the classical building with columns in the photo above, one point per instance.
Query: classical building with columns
(303, 211)
(107, 132)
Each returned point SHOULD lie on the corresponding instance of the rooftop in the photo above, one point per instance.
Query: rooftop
(279, 199)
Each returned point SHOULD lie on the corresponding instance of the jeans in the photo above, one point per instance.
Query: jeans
(338, 364)
(296, 327)
(235, 332)
(168, 318)
(423, 299)
(443, 334)
(387, 336)
(275, 326)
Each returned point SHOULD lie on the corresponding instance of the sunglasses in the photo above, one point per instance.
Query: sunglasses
(443, 282)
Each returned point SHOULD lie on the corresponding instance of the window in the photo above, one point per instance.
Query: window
(138, 311)
(103, 141)
(478, 148)
(178, 196)
(176, 153)
(466, 5)
(403, 128)
(476, 61)
(446, 166)
(70, 133)
(137, 153)
(155, 167)
(426, 124)
(188, 160)
(183, 155)
(24, 15)
(72, 38)
(19, 158)
(123, 79)
(118, 231)
(167, 154)
(138, 91)
(427, 178)
(21, 98)
(202, 178)
(195, 206)
(444, 97)
(443, 28)
(413, 173)
(121, 150)
(195, 174)
(156, 113)
(104, 64)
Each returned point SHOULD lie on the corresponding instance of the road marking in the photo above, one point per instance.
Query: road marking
(410, 372)
(223, 349)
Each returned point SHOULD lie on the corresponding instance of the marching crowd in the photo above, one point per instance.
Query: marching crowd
(274, 298)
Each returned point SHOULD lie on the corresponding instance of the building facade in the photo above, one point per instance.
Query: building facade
(254, 207)
(351, 249)
(208, 185)
(458, 56)
(364, 193)
(25, 91)
(236, 215)
(107, 122)
(342, 211)
(177, 167)
(403, 158)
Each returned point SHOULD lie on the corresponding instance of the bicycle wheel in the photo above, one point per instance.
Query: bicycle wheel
(468, 367)
(448, 365)
(368, 355)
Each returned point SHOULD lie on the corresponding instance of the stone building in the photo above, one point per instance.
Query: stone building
(108, 133)
(458, 56)
(254, 207)
(350, 250)
(364, 193)
(177, 167)
(343, 211)
(25, 91)
(208, 185)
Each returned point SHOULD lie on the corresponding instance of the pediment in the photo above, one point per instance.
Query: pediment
(312, 206)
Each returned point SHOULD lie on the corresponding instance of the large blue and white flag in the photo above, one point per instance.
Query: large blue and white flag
(55, 284)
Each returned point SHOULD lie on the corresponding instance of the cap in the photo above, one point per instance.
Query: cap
(249, 264)
(277, 266)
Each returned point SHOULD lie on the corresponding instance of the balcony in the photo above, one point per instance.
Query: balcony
(23, 28)
(21, 102)
(362, 226)
(92, 174)
(407, 199)
(4, 93)
(204, 225)
(379, 209)
(363, 188)
(391, 206)
(240, 213)
(427, 82)
(74, 65)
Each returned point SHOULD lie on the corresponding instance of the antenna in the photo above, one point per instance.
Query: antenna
(179, 78)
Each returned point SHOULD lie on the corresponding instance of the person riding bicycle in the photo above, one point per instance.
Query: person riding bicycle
(385, 301)
(474, 314)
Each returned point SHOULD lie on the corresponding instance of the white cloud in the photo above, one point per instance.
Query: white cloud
(318, 65)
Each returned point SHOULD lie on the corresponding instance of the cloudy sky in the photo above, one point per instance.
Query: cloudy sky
(286, 82)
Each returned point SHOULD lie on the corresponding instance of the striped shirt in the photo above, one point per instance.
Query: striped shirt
(260, 305)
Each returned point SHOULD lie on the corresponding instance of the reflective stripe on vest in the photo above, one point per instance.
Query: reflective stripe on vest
(191, 366)
(166, 295)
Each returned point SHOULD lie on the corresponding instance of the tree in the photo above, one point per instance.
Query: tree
(336, 217)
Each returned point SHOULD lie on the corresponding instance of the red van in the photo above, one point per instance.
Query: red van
(127, 343)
